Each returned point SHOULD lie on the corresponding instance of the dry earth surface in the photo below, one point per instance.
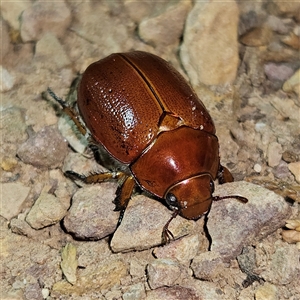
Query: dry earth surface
(59, 238)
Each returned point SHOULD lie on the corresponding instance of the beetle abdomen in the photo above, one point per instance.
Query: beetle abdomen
(124, 98)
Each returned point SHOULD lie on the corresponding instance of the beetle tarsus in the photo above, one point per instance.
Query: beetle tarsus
(167, 235)
(122, 212)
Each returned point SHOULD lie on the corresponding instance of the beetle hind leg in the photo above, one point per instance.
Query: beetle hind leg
(68, 111)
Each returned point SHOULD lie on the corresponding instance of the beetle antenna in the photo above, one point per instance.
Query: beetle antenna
(239, 198)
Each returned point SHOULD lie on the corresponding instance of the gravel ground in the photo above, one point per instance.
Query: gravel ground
(59, 239)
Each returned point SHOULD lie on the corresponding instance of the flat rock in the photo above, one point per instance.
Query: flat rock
(166, 28)
(208, 45)
(49, 46)
(142, 225)
(207, 266)
(92, 214)
(13, 128)
(47, 210)
(44, 17)
(279, 72)
(13, 196)
(233, 225)
(98, 277)
(274, 154)
(284, 265)
(163, 272)
(184, 249)
(174, 293)
(135, 291)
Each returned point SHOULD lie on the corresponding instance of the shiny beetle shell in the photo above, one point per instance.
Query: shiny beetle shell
(142, 111)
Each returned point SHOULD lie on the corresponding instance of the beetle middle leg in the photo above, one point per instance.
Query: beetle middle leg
(124, 191)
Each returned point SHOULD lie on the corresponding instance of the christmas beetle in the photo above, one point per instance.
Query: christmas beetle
(145, 115)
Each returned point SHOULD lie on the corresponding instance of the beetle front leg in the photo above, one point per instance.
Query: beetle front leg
(124, 193)
(224, 175)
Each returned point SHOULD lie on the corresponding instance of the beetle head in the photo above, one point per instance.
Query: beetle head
(192, 197)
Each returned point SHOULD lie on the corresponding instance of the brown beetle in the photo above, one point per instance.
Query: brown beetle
(146, 116)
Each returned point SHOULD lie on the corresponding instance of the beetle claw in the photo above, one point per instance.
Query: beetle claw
(167, 235)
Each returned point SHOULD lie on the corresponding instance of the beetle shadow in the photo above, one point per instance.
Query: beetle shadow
(205, 229)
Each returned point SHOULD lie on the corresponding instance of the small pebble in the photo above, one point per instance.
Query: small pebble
(163, 272)
(69, 262)
(293, 83)
(8, 163)
(294, 167)
(278, 71)
(274, 154)
(45, 293)
(257, 168)
(174, 293)
(46, 148)
(7, 80)
(267, 292)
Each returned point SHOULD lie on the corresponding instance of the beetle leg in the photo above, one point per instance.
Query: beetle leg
(167, 235)
(224, 175)
(124, 192)
(93, 178)
(69, 111)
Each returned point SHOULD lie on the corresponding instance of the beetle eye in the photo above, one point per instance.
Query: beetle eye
(212, 187)
(171, 200)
